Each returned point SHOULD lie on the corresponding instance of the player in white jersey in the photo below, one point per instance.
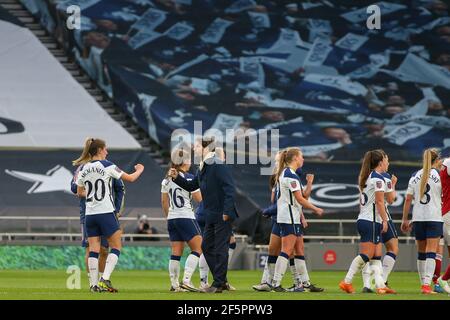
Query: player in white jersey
(290, 206)
(94, 182)
(425, 188)
(181, 223)
(275, 236)
(372, 220)
(389, 238)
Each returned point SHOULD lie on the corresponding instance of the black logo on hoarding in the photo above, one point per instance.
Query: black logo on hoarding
(8, 126)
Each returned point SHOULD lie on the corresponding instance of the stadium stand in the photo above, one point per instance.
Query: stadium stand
(312, 70)
(45, 116)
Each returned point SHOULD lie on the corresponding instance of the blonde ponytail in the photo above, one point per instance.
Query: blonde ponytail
(273, 177)
(429, 157)
(85, 156)
(90, 149)
(285, 159)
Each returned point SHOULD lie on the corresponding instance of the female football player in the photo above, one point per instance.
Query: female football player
(289, 211)
(425, 187)
(372, 220)
(300, 280)
(181, 223)
(389, 238)
(94, 182)
(119, 193)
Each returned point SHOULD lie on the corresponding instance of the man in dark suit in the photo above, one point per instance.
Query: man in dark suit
(218, 192)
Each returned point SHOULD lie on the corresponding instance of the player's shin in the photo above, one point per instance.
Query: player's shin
(93, 267)
(377, 269)
(430, 264)
(421, 260)
(190, 266)
(367, 276)
(300, 265)
(388, 264)
(111, 262)
(174, 270)
(203, 269)
(356, 266)
(280, 269)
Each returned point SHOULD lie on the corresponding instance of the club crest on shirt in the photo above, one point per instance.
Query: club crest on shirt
(294, 184)
(389, 184)
(379, 184)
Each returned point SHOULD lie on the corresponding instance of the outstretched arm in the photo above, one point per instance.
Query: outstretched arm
(189, 185)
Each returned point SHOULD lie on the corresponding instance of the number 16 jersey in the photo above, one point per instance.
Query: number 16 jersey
(429, 207)
(96, 177)
(180, 200)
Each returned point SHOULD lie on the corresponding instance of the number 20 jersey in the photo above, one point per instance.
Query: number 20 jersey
(180, 200)
(429, 207)
(96, 177)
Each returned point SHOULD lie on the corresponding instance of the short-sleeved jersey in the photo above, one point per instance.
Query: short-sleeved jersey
(288, 209)
(96, 177)
(389, 188)
(180, 200)
(367, 207)
(445, 182)
(428, 208)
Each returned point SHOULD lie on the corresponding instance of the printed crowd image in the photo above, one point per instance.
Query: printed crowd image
(256, 149)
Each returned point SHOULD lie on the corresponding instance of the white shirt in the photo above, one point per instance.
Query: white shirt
(367, 209)
(180, 200)
(96, 177)
(288, 209)
(429, 207)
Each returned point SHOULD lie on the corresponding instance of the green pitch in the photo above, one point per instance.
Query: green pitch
(46, 284)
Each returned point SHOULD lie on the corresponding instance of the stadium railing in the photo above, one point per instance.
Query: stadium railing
(130, 237)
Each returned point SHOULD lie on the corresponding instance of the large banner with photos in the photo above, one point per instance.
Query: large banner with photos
(312, 70)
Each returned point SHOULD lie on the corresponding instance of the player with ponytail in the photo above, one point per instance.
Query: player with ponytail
(372, 220)
(290, 204)
(94, 183)
(425, 188)
(119, 195)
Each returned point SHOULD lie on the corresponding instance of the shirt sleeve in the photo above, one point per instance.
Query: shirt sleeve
(410, 189)
(293, 184)
(80, 181)
(165, 186)
(389, 187)
(114, 171)
(379, 185)
(190, 179)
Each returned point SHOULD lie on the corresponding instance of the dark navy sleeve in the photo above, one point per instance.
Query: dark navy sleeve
(270, 211)
(223, 174)
(188, 185)
(119, 194)
(73, 186)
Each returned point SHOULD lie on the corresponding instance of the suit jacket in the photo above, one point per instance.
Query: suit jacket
(217, 187)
